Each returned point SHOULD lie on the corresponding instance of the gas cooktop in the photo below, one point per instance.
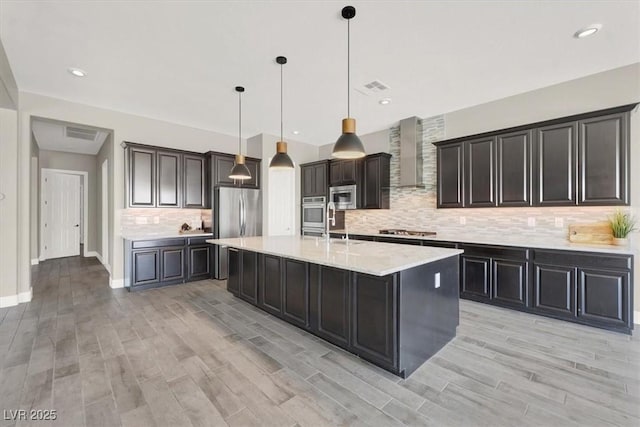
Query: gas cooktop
(400, 232)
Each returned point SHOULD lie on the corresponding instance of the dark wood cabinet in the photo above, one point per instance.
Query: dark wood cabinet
(296, 292)
(377, 181)
(254, 169)
(374, 319)
(194, 191)
(604, 297)
(161, 177)
(233, 278)
(172, 264)
(554, 290)
(513, 168)
(450, 175)
(315, 179)
(509, 282)
(199, 262)
(603, 152)
(475, 277)
(480, 172)
(345, 172)
(555, 164)
(576, 160)
(142, 177)
(169, 179)
(270, 284)
(333, 305)
(248, 276)
(146, 267)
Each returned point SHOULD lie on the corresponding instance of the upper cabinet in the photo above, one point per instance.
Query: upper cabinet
(577, 160)
(377, 181)
(345, 172)
(603, 151)
(315, 179)
(165, 178)
(221, 165)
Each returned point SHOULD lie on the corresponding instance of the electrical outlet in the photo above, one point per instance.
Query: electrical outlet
(531, 221)
(559, 222)
(437, 280)
(463, 220)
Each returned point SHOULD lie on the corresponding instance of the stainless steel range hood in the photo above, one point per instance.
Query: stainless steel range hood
(410, 154)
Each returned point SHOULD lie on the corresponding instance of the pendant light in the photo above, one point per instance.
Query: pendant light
(281, 160)
(240, 170)
(348, 146)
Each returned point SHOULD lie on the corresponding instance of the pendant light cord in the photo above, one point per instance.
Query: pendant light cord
(240, 123)
(281, 102)
(348, 68)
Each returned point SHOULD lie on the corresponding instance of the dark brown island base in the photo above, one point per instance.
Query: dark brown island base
(393, 306)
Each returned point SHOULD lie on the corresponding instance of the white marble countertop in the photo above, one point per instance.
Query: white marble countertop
(134, 237)
(519, 241)
(374, 258)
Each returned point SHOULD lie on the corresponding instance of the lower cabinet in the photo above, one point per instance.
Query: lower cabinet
(374, 318)
(509, 282)
(554, 290)
(333, 305)
(249, 276)
(270, 284)
(152, 263)
(295, 287)
(475, 276)
(235, 268)
(604, 297)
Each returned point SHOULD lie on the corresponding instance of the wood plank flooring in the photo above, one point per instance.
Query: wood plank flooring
(193, 355)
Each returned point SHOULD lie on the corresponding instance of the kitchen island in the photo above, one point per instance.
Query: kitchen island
(390, 304)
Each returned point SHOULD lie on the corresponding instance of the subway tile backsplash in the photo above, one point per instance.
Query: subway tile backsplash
(161, 221)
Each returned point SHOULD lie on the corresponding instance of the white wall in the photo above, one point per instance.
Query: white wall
(125, 127)
(8, 205)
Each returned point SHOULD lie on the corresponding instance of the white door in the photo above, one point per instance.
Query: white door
(62, 223)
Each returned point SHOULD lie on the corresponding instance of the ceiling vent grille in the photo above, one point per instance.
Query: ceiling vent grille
(80, 133)
(372, 88)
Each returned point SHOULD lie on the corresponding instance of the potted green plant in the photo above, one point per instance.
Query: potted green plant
(621, 225)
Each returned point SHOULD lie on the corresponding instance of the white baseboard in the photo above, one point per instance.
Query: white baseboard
(88, 254)
(636, 317)
(25, 296)
(115, 284)
(106, 266)
(35, 261)
(12, 300)
(9, 301)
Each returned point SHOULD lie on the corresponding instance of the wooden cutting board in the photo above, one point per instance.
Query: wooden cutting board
(597, 232)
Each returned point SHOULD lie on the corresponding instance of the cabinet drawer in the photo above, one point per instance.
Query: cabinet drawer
(503, 252)
(583, 259)
(139, 244)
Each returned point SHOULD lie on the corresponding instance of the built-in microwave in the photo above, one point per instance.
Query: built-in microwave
(314, 212)
(344, 197)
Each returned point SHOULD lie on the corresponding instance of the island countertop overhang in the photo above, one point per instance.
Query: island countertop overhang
(378, 259)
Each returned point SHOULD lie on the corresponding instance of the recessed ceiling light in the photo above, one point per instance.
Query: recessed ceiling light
(587, 31)
(296, 132)
(385, 101)
(77, 72)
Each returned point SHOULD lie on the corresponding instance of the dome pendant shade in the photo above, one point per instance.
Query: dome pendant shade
(348, 146)
(281, 160)
(240, 170)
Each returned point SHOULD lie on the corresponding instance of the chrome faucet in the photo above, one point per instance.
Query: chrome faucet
(330, 217)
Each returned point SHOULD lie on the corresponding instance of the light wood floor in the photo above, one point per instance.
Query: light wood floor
(194, 355)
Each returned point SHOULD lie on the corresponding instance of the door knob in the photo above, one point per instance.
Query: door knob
(77, 225)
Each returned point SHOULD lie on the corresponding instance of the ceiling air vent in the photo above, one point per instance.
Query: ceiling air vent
(80, 133)
(372, 88)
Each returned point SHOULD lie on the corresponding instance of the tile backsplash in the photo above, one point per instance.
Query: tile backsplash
(415, 208)
(161, 221)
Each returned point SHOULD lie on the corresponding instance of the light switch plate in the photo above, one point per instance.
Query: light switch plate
(437, 280)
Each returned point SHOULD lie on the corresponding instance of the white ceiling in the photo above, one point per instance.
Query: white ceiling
(52, 135)
(179, 61)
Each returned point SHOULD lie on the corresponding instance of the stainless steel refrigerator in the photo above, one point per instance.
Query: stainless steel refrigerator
(237, 212)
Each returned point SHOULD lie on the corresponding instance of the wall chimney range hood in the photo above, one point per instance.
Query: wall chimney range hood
(410, 154)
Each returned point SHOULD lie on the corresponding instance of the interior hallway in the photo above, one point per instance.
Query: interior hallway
(194, 355)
